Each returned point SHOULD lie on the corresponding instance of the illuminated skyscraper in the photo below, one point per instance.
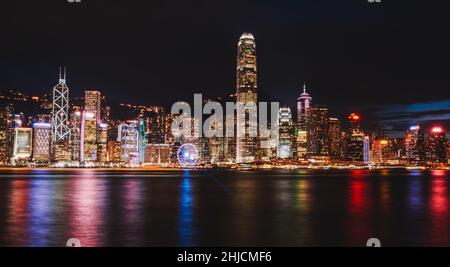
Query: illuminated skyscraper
(92, 103)
(154, 119)
(437, 145)
(380, 151)
(229, 143)
(157, 154)
(354, 140)
(60, 117)
(246, 89)
(114, 151)
(212, 149)
(170, 139)
(18, 120)
(366, 150)
(142, 140)
(41, 141)
(88, 147)
(304, 102)
(129, 140)
(335, 138)
(286, 141)
(102, 143)
(217, 149)
(105, 112)
(75, 136)
(204, 150)
(22, 144)
(94, 150)
(318, 131)
(415, 145)
(5, 133)
(246, 69)
(62, 152)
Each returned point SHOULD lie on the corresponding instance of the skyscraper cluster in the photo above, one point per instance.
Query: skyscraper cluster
(83, 133)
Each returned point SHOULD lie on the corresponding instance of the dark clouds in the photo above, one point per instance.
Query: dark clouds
(397, 118)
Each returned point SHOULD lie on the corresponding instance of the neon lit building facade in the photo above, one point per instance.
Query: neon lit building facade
(415, 145)
(335, 134)
(88, 148)
(92, 103)
(75, 136)
(142, 140)
(318, 131)
(354, 141)
(157, 154)
(380, 151)
(22, 143)
(437, 145)
(129, 140)
(366, 150)
(41, 141)
(304, 102)
(102, 143)
(286, 145)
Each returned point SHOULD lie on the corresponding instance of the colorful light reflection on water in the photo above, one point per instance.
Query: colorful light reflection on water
(193, 208)
(185, 228)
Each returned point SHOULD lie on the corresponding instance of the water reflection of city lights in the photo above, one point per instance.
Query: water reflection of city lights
(86, 206)
(358, 196)
(415, 198)
(439, 196)
(303, 194)
(415, 172)
(439, 210)
(438, 173)
(283, 191)
(358, 173)
(18, 216)
(185, 227)
(41, 205)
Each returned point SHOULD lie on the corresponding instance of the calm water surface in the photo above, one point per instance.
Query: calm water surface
(224, 208)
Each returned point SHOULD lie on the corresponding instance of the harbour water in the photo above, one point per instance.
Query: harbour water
(45, 207)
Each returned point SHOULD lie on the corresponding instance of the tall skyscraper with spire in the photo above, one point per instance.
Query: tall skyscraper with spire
(246, 92)
(246, 75)
(304, 102)
(60, 117)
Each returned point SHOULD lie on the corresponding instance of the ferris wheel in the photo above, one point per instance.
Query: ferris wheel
(187, 155)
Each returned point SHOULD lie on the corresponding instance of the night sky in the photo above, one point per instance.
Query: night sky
(389, 61)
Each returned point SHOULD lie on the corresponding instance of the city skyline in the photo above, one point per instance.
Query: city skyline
(229, 130)
(405, 115)
(83, 133)
(395, 118)
(344, 59)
